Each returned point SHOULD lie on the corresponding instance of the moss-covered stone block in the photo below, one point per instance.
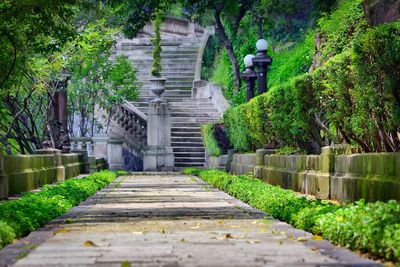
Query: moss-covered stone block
(371, 176)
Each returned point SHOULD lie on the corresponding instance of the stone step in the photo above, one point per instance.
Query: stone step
(165, 49)
(164, 53)
(140, 61)
(185, 129)
(185, 139)
(189, 154)
(144, 78)
(185, 149)
(185, 144)
(191, 159)
(185, 134)
(189, 164)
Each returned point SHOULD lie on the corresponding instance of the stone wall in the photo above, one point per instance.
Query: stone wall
(243, 164)
(23, 173)
(338, 173)
(217, 163)
(372, 176)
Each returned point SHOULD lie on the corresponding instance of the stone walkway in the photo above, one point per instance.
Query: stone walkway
(171, 220)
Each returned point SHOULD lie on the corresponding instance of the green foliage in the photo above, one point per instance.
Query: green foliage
(157, 67)
(96, 80)
(291, 62)
(238, 134)
(135, 14)
(284, 116)
(209, 141)
(352, 97)
(339, 29)
(191, 171)
(34, 210)
(372, 227)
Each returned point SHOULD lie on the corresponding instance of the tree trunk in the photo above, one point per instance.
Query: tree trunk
(227, 44)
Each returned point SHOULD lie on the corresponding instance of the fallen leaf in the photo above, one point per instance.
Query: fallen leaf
(183, 240)
(89, 243)
(317, 238)
(302, 239)
(280, 242)
(253, 241)
(220, 222)
(126, 264)
(314, 248)
(235, 226)
(60, 231)
(254, 222)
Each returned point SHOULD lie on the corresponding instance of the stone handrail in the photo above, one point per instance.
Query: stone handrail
(212, 91)
(207, 32)
(133, 121)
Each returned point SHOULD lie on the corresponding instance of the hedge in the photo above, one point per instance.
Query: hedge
(18, 218)
(373, 227)
(353, 97)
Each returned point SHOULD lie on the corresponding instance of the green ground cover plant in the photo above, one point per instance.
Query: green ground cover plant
(373, 228)
(18, 218)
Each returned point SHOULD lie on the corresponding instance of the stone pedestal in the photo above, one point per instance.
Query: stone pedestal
(3, 181)
(158, 154)
(57, 161)
(114, 154)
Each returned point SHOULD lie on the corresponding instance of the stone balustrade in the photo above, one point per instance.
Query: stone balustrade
(133, 122)
(83, 143)
(176, 26)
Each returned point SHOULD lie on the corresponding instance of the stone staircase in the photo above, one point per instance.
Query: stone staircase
(179, 55)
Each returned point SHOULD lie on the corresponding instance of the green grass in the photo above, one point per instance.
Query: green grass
(18, 218)
(372, 228)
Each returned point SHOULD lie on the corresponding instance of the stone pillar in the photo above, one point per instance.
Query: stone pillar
(230, 159)
(100, 146)
(114, 154)
(3, 180)
(191, 29)
(260, 162)
(60, 173)
(83, 151)
(158, 154)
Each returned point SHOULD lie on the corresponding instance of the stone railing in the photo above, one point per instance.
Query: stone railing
(84, 143)
(133, 122)
(176, 26)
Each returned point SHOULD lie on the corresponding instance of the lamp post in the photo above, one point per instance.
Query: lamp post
(261, 62)
(250, 76)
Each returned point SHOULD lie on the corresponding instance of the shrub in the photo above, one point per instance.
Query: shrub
(353, 97)
(371, 227)
(34, 210)
(214, 139)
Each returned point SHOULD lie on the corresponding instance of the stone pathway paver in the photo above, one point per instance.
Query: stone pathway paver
(173, 220)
